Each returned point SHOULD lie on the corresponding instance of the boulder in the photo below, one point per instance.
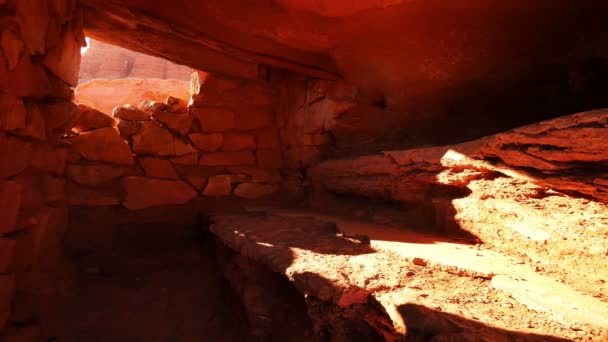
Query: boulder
(207, 142)
(94, 175)
(142, 192)
(91, 119)
(268, 139)
(128, 128)
(10, 201)
(176, 105)
(238, 142)
(154, 139)
(12, 113)
(180, 123)
(269, 159)
(151, 107)
(219, 185)
(255, 190)
(159, 168)
(130, 113)
(214, 119)
(87, 196)
(103, 94)
(228, 158)
(12, 47)
(253, 118)
(104, 145)
(35, 126)
(257, 175)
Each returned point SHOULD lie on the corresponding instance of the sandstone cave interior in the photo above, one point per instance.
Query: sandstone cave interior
(303, 170)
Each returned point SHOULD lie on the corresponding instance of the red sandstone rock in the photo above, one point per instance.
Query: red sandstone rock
(228, 158)
(10, 201)
(176, 105)
(12, 113)
(35, 126)
(106, 61)
(15, 155)
(257, 175)
(153, 139)
(94, 175)
(128, 128)
(180, 123)
(207, 142)
(238, 142)
(156, 167)
(34, 19)
(151, 107)
(86, 196)
(254, 118)
(269, 159)
(12, 47)
(59, 116)
(102, 145)
(64, 59)
(268, 139)
(7, 249)
(255, 190)
(197, 175)
(7, 289)
(91, 119)
(49, 158)
(219, 185)
(27, 79)
(188, 159)
(214, 120)
(104, 95)
(141, 192)
(129, 113)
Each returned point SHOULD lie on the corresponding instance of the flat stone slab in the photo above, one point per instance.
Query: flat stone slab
(538, 292)
(352, 264)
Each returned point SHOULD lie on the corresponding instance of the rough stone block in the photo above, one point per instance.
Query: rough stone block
(255, 190)
(7, 290)
(151, 107)
(12, 46)
(34, 19)
(207, 142)
(228, 158)
(64, 59)
(61, 116)
(214, 119)
(49, 158)
(238, 142)
(270, 159)
(176, 105)
(219, 185)
(94, 175)
(35, 127)
(154, 139)
(142, 192)
(257, 175)
(87, 196)
(90, 119)
(268, 139)
(180, 123)
(188, 159)
(130, 113)
(103, 145)
(128, 128)
(12, 113)
(254, 118)
(7, 250)
(159, 168)
(15, 155)
(10, 201)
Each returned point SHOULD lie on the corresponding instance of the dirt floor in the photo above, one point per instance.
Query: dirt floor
(143, 282)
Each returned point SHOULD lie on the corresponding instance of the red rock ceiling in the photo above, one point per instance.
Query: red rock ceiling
(410, 53)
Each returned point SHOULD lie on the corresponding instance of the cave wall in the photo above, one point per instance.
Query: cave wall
(236, 137)
(39, 64)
